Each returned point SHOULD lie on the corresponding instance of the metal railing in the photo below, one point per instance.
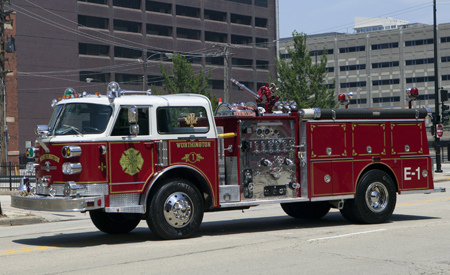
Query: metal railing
(11, 174)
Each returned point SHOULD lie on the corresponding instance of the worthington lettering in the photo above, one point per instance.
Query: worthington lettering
(194, 145)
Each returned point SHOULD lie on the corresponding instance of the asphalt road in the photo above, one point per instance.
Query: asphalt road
(262, 240)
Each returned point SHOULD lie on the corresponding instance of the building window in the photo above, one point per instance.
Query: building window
(216, 84)
(385, 82)
(419, 79)
(127, 26)
(262, 42)
(419, 61)
(158, 7)
(260, 22)
(445, 59)
(131, 4)
(216, 37)
(358, 101)
(386, 99)
(247, 2)
(127, 53)
(261, 3)
(194, 59)
(101, 2)
(241, 19)
(188, 11)
(242, 62)
(419, 42)
(129, 79)
(385, 64)
(285, 56)
(159, 30)
(93, 22)
(93, 49)
(262, 64)
(353, 67)
(329, 86)
(155, 80)
(352, 49)
(426, 97)
(209, 60)
(188, 34)
(215, 15)
(246, 83)
(97, 77)
(385, 46)
(445, 39)
(320, 52)
(446, 77)
(353, 84)
(241, 40)
(329, 69)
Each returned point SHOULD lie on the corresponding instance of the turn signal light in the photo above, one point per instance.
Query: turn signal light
(71, 151)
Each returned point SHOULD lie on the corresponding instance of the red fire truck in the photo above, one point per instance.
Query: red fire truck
(127, 156)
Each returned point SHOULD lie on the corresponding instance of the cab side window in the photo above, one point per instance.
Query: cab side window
(182, 120)
(122, 127)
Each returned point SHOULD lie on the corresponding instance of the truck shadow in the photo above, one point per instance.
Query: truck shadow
(208, 228)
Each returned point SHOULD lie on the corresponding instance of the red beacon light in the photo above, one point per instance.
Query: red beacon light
(411, 94)
(344, 99)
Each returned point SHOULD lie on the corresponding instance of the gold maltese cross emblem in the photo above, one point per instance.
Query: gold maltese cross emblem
(131, 161)
(191, 119)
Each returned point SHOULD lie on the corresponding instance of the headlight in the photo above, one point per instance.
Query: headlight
(71, 151)
(71, 168)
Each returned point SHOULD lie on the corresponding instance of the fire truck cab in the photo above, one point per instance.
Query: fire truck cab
(127, 156)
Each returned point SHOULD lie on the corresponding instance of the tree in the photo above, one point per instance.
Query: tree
(301, 80)
(182, 79)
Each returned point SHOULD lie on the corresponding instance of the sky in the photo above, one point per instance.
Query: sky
(320, 16)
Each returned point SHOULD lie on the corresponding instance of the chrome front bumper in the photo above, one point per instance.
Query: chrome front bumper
(62, 204)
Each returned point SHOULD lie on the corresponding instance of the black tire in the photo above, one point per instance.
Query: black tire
(375, 198)
(175, 210)
(306, 210)
(347, 213)
(114, 223)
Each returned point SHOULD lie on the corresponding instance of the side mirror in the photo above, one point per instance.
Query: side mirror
(134, 129)
(132, 115)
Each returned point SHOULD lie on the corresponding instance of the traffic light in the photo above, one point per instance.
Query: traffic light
(445, 112)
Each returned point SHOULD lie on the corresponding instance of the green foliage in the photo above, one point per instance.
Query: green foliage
(301, 80)
(182, 79)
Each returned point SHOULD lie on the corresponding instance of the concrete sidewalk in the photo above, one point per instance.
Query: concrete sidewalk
(14, 216)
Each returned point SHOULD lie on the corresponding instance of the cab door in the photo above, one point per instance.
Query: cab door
(131, 157)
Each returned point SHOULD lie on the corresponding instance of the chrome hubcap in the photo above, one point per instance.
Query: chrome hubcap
(377, 197)
(178, 209)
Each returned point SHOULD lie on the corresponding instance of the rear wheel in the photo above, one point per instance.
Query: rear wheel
(114, 223)
(306, 210)
(175, 211)
(375, 198)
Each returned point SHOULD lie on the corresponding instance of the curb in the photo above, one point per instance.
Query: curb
(20, 221)
(441, 179)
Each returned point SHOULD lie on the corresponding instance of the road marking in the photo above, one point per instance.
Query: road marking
(345, 235)
(422, 202)
(5, 252)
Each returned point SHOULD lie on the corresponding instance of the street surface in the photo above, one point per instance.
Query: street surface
(262, 240)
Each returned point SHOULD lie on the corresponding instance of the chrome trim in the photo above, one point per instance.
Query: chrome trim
(61, 204)
(91, 189)
(163, 153)
(69, 168)
(256, 203)
(75, 151)
(425, 191)
(367, 120)
(333, 198)
(126, 209)
(122, 200)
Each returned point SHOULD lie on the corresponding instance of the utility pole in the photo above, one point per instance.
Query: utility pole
(4, 18)
(437, 119)
(226, 79)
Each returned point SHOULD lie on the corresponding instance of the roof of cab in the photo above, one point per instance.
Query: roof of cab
(154, 100)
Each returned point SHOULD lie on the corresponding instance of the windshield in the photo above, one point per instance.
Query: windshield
(82, 118)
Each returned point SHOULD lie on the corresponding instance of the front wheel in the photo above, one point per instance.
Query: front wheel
(375, 198)
(114, 223)
(175, 211)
